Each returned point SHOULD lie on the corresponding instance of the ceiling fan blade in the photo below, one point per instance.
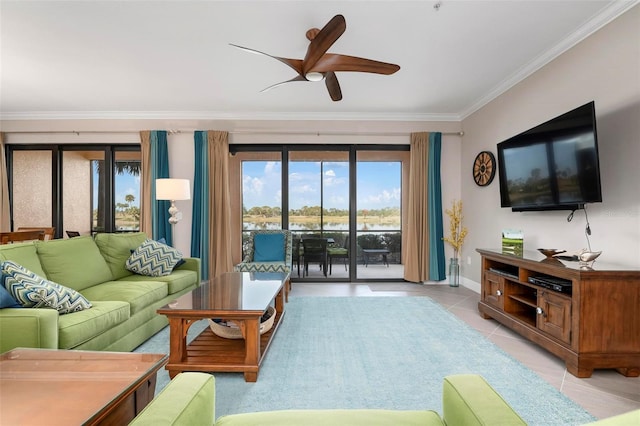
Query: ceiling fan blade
(273, 86)
(323, 41)
(333, 86)
(295, 64)
(337, 62)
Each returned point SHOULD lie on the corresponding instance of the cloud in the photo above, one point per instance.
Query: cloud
(302, 189)
(386, 196)
(330, 179)
(271, 167)
(252, 185)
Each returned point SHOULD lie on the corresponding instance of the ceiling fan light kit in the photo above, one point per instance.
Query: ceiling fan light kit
(318, 64)
(314, 76)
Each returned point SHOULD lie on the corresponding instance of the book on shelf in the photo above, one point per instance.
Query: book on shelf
(512, 241)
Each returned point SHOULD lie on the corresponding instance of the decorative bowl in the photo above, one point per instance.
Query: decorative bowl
(588, 256)
(231, 331)
(551, 252)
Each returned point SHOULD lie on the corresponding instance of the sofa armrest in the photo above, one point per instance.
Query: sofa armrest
(192, 264)
(188, 399)
(631, 418)
(467, 399)
(28, 328)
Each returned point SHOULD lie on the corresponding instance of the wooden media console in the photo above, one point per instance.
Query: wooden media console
(592, 324)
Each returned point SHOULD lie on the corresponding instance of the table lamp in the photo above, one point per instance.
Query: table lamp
(172, 190)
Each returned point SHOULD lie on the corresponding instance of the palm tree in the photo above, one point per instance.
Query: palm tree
(121, 167)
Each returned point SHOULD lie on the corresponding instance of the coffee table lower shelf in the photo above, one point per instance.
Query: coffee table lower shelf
(211, 353)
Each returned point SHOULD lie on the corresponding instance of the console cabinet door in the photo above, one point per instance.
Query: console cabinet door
(493, 290)
(554, 315)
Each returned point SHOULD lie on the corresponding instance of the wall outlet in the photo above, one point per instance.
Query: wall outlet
(468, 260)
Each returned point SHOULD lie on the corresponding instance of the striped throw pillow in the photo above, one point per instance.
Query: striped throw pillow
(33, 291)
(153, 259)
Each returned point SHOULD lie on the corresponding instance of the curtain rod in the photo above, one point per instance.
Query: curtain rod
(233, 132)
(329, 133)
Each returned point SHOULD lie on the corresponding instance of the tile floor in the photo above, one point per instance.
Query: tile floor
(605, 394)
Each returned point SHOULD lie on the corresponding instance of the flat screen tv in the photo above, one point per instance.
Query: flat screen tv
(553, 166)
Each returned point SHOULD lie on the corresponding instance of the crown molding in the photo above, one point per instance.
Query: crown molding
(601, 19)
(222, 115)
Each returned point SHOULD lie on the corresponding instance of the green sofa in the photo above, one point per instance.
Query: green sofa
(467, 400)
(189, 399)
(123, 314)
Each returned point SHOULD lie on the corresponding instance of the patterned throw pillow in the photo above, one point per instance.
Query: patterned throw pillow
(180, 262)
(153, 259)
(33, 291)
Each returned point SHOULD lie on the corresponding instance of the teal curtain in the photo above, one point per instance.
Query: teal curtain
(437, 259)
(200, 216)
(161, 227)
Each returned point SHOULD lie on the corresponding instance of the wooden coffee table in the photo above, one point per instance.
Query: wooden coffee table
(239, 296)
(59, 387)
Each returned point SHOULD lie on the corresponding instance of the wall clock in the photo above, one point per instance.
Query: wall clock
(484, 168)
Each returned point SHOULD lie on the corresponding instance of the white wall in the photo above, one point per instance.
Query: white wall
(605, 68)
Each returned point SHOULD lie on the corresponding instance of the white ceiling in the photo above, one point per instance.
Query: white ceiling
(172, 59)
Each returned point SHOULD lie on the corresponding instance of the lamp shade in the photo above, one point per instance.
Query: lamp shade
(173, 189)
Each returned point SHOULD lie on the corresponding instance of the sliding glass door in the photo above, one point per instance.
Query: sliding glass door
(347, 196)
(319, 209)
(379, 218)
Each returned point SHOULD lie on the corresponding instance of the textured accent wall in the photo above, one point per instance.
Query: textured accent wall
(32, 201)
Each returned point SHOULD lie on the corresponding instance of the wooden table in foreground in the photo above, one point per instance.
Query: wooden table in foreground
(239, 296)
(59, 387)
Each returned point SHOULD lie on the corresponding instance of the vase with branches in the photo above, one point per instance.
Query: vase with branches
(457, 233)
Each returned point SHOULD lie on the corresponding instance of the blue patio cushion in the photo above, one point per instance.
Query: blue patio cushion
(268, 247)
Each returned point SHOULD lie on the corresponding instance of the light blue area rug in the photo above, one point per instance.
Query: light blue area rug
(378, 352)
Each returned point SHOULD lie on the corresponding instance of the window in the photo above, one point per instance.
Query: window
(88, 188)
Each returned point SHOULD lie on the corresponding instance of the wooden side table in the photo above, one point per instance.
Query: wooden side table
(60, 387)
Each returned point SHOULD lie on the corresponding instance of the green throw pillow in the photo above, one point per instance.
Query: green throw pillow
(153, 259)
(33, 291)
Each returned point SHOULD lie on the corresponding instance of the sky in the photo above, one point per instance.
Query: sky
(379, 184)
(125, 184)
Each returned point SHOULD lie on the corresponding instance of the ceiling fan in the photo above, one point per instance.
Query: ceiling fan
(318, 64)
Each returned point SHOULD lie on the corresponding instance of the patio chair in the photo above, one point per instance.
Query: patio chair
(268, 251)
(315, 251)
(297, 253)
(339, 253)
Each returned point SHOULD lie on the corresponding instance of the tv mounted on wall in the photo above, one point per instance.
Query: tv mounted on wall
(553, 166)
